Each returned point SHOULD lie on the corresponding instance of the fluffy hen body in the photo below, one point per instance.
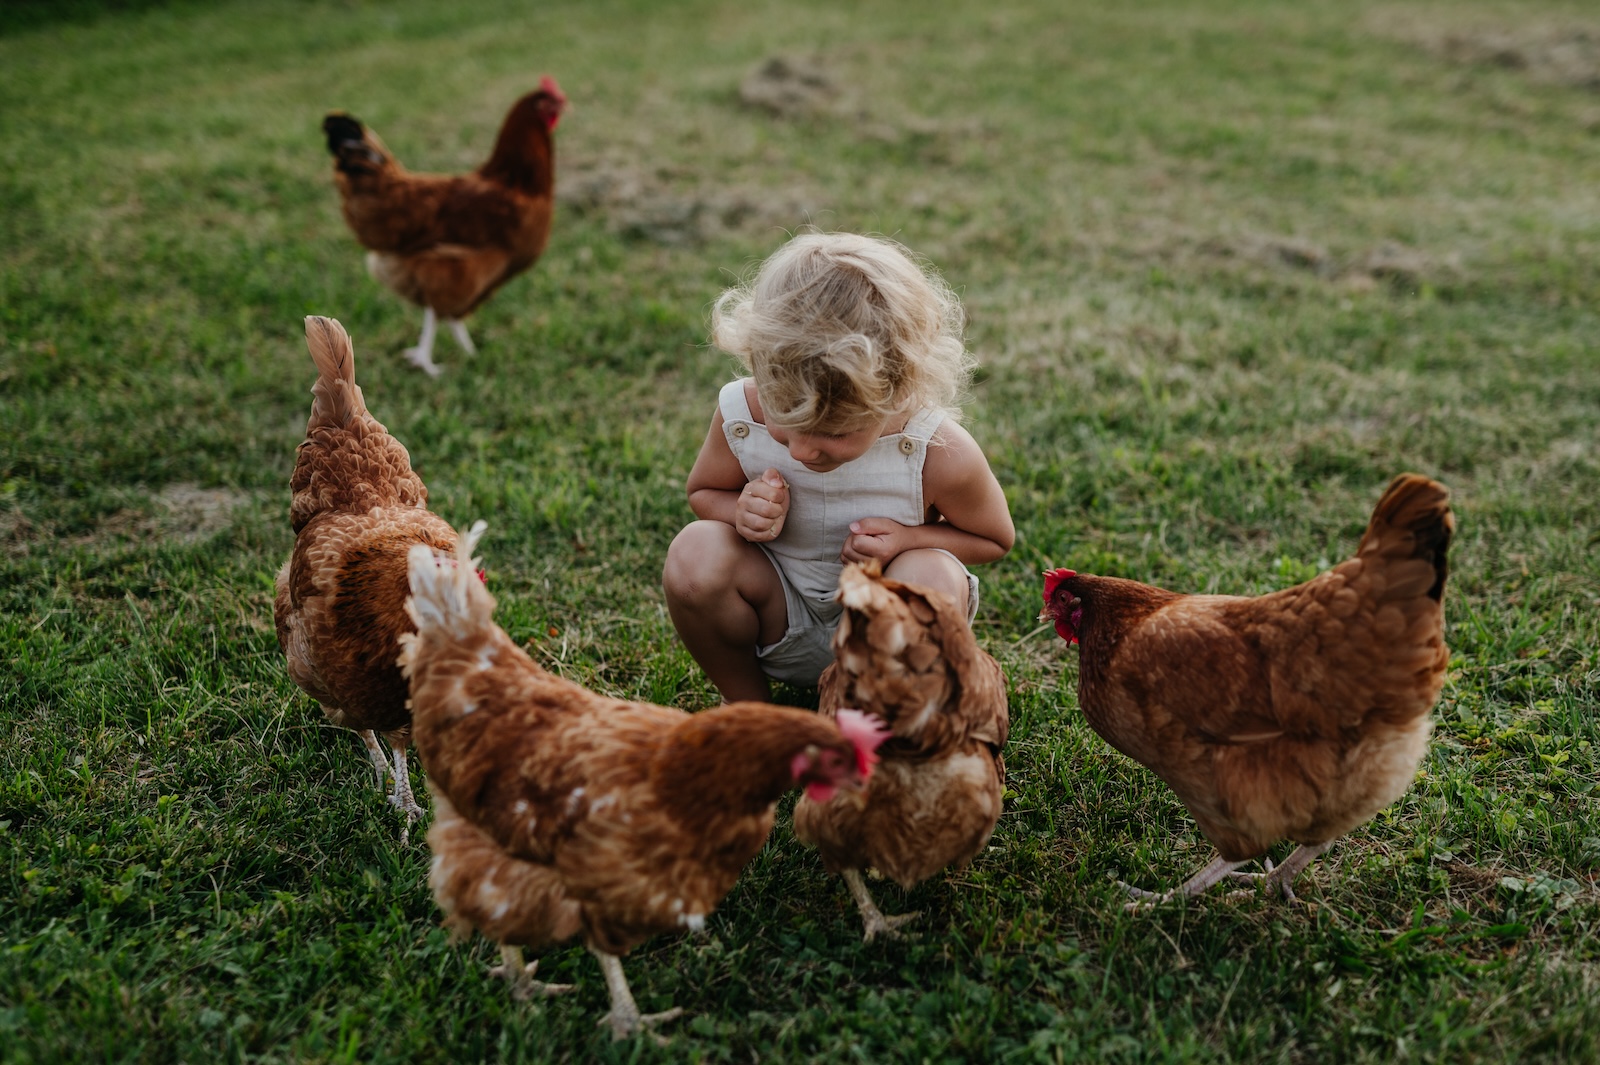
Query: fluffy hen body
(447, 242)
(357, 510)
(1296, 715)
(906, 655)
(563, 812)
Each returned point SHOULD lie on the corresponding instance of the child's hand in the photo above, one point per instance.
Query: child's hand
(762, 506)
(880, 538)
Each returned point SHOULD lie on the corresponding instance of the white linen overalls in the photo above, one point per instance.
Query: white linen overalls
(885, 482)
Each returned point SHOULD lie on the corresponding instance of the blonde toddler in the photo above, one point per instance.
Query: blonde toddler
(842, 445)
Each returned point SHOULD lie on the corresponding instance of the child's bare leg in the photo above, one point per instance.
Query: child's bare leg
(726, 600)
(931, 569)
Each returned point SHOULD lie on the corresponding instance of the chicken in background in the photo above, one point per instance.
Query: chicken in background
(559, 811)
(906, 655)
(357, 510)
(1295, 715)
(446, 243)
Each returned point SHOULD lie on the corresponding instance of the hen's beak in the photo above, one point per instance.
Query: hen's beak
(856, 789)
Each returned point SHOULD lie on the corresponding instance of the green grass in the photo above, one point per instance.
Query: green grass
(1229, 267)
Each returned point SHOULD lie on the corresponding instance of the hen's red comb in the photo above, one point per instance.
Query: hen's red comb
(865, 732)
(1053, 578)
(548, 84)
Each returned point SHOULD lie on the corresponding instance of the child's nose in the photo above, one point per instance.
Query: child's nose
(803, 450)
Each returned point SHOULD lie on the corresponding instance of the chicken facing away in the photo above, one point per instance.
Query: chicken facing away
(357, 509)
(1295, 715)
(444, 242)
(561, 812)
(905, 654)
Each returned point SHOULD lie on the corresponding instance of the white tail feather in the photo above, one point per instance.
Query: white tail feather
(449, 597)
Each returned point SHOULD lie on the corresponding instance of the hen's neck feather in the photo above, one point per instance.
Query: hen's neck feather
(523, 152)
(1112, 608)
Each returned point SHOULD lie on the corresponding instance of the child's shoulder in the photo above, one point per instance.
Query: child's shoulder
(739, 399)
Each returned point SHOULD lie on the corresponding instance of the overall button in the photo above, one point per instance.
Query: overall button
(908, 445)
(740, 430)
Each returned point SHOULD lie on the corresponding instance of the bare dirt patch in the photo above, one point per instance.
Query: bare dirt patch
(1566, 53)
(788, 86)
(666, 207)
(1388, 262)
(185, 513)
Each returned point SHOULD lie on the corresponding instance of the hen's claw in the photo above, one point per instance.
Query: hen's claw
(877, 923)
(520, 976)
(874, 923)
(422, 360)
(625, 1024)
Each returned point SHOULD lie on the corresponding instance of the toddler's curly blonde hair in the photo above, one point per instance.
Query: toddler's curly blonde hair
(841, 330)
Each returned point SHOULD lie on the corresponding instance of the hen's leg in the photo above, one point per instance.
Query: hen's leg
(401, 797)
(1219, 869)
(1284, 875)
(458, 329)
(625, 1018)
(380, 761)
(421, 356)
(872, 918)
(520, 976)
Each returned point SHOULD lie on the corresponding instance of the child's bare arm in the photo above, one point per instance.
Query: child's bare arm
(718, 491)
(957, 482)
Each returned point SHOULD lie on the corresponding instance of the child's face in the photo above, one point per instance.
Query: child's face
(823, 452)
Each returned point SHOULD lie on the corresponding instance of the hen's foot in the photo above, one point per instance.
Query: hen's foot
(628, 1023)
(873, 921)
(877, 923)
(422, 359)
(624, 1018)
(401, 798)
(520, 977)
(1220, 869)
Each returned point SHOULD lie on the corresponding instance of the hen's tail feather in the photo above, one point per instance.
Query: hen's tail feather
(450, 598)
(1413, 521)
(337, 397)
(349, 143)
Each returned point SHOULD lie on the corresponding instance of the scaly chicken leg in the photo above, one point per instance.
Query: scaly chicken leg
(1219, 870)
(625, 1018)
(520, 976)
(380, 761)
(421, 356)
(402, 798)
(458, 329)
(1282, 878)
(872, 919)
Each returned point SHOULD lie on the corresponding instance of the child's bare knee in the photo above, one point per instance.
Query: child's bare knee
(698, 561)
(929, 568)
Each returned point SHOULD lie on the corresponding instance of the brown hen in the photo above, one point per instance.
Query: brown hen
(446, 243)
(905, 654)
(357, 509)
(561, 811)
(1295, 715)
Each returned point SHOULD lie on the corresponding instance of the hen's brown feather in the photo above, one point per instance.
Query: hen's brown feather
(907, 655)
(357, 509)
(1294, 715)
